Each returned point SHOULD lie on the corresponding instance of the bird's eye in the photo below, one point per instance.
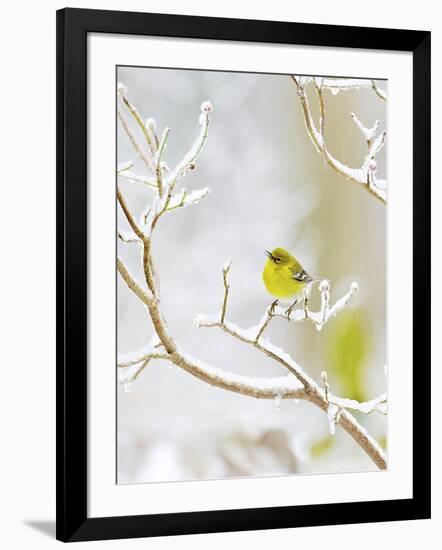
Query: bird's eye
(277, 260)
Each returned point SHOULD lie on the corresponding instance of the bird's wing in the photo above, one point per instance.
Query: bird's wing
(302, 276)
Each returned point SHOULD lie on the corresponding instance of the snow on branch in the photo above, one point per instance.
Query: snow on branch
(188, 162)
(327, 312)
(378, 404)
(134, 178)
(152, 143)
(128, 237)
(366, 174)
(335, 407)
(149, 351)
(318, 318)
(335, 85)
(297, 384)
(185, 198)
(152, 154)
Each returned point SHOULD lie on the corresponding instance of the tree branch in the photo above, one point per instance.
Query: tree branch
(141, 153)
(296, 385)
(122, 92)
(129, 216)
(312, 391)
(366, 174)
(158, 168)
(130, 281)
(380, 93)
(327, 312)
(336, 85)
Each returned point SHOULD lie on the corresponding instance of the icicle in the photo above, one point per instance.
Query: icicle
(151, 124)
(127, 387)
(121, 89)
(278, 402)
(334, 91)
(332, 413)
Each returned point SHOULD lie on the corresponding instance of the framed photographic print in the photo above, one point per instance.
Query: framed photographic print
(243, 274)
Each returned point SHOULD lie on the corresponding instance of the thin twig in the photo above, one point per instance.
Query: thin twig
(130, 218)
(189, 158)
(133, 111)
(321, 107)
(326, 312)
(343, 84)
(127, 237)
(380, 93)
(145, 158)
(364, 175)
(158, 169)
(226, 270)
(134, 178)
(264, 323)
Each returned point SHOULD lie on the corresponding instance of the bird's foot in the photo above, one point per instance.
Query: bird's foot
(272, 308)
(289, 310)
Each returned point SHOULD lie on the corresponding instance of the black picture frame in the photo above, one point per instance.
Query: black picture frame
(73, 25)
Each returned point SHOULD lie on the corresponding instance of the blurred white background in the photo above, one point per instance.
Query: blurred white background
(269, 188)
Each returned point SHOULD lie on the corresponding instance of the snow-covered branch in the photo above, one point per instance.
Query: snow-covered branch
(337, 405)
(138, 148)
(188, 162)
(366, 174)
(312, 391)
(326, 312)
(152, 142)
(378, 404)
(130, 176)
(153, 154)
(150, 351)
(336, 85)
(184, 198)
(297, 384)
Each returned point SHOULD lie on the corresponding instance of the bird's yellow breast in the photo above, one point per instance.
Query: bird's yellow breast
(279, 281)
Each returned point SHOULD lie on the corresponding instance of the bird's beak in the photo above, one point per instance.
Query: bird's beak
(269, 254)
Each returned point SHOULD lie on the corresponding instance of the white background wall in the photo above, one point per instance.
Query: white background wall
(27, 402)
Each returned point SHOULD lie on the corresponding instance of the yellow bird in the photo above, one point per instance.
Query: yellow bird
(284, 277)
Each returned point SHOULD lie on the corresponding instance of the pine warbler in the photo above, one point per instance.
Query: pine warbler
(284, 277)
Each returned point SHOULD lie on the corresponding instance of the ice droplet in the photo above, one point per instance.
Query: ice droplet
(332, 413)
(151, 124)
(334, 91)
(318, 328)
(121, 88)
(127, 387)
(206, 107)
(324, 286)
(278, 402)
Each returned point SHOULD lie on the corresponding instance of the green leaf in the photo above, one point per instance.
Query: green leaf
(347, 351)
(322, 446)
